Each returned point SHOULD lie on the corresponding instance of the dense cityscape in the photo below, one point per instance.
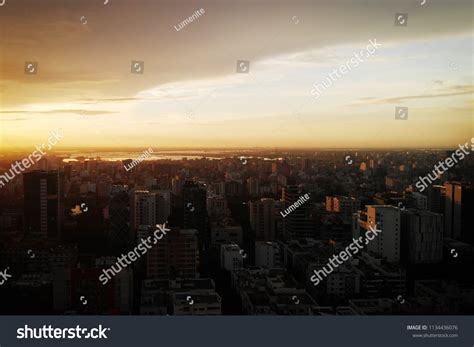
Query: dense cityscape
(240, 233)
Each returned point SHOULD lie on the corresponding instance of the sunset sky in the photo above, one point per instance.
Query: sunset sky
(191, 96)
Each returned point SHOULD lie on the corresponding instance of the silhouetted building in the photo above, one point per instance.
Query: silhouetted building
(120, 235)
(43, 203)
(195, 210)
(262, 218)
(436, 199)
(421, 237)
(458, 216)
(176, 254)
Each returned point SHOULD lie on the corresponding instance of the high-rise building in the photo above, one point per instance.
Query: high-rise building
(387, 219)
(163, 205)
(195, 208)
(43, 203)
(262, 218)
(176, 186)
(421, 237)
(175, 255)
(458, 207)
(143, 205)
(436, 199)
(297, 223)
(252, 186)
(120, 235)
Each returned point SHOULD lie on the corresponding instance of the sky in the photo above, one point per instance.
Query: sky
(190, 95)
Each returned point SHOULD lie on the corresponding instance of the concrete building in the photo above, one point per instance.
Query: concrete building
(143, 204)
(387, 219)
(267, 254)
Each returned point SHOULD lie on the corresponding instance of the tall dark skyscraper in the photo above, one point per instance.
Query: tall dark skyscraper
(436, 199)
(458, 206)
(262, 218)
(195, 210)
(43, 203)
(121, 237)
(298, 222)
(421, 237)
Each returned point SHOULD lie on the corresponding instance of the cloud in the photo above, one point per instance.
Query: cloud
(442, 93)
(12, 120)
(56, 111)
